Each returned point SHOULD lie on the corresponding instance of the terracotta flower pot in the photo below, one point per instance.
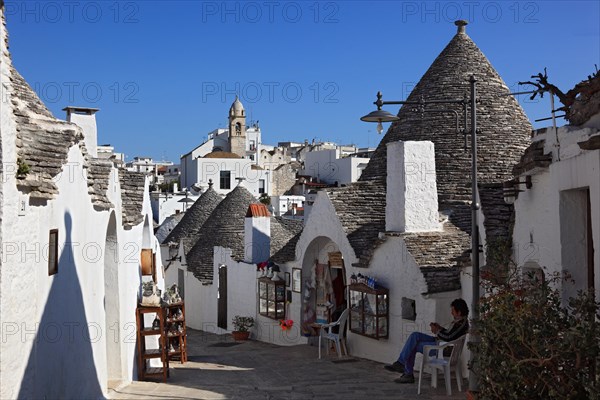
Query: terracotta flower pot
(237, 335)
(471, 395)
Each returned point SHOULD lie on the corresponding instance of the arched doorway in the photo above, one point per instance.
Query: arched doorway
(111, 304)
(323, 284)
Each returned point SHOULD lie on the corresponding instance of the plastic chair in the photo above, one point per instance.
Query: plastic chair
(326, 333)
(437, 361)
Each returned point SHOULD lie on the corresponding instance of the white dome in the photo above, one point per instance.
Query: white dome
(237, 108)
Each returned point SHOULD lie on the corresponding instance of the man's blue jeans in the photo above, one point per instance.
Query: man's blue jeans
(414, 344)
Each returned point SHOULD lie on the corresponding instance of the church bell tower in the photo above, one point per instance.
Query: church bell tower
(237, 128)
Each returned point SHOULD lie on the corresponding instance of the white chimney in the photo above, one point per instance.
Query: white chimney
(85, 118)
(411, 199)
(257, 234)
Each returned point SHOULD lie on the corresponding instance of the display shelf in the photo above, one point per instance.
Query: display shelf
(369, 311)
(176, 332)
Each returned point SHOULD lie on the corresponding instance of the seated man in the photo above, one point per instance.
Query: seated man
(416, 341)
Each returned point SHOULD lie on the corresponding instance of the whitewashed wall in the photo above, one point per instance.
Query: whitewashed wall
(242, 299)
(72, 333)
(166, 204)
(393, 267)
(537, 232)
(57, 341)
(281, 204)
(330, 168)
(209, 168)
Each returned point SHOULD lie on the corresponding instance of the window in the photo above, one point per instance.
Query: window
(53, 252)
(271, 296)
(409, 309)
(225, 181)
(261, 186)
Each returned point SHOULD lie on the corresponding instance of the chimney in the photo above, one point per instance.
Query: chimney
(85, 118)
(257, 234)
(411, 198)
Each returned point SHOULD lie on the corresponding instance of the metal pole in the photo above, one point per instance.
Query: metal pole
(474, 338)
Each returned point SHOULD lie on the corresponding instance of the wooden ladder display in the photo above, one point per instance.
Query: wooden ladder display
(176, 332)
(146, 372)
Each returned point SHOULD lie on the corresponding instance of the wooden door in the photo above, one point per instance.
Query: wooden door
(181, 283)
(146, 261)
(222, 302)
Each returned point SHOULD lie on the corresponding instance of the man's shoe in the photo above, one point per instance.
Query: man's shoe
(395, 367)
(405, 378)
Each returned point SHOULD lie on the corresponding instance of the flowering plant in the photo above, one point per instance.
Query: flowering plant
(242, 324)
(286, 324)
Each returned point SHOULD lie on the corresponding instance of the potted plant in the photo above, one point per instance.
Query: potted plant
(241, 325)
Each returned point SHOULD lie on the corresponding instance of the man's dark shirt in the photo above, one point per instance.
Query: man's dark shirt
(459, 327)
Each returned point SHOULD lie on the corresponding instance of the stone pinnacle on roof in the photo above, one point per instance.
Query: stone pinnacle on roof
(461, 23)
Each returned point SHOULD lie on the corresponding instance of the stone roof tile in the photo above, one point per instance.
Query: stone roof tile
(225, 228)
(43, 142)
(194, 218)
(98, 177)
(498, 216)
(132, 197)
(284, 237)
(360, 208)
(533, 158)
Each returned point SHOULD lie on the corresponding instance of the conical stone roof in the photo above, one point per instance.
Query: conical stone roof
(224, 227)
(195, 217)
(503, 126)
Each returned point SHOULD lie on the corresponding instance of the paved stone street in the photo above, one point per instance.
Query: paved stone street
(219, 368)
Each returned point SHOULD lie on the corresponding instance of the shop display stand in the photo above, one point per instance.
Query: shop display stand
(176, 332)
(145, 372)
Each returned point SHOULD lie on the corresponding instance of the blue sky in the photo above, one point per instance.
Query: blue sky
(165, 73)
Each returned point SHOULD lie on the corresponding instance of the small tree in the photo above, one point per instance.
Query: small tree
(533, 345)
(265, 199)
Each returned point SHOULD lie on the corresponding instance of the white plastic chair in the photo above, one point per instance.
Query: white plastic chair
(438, 361)
(338, 338)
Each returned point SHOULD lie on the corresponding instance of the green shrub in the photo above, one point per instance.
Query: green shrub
(533, 345)
(265, 199)
(22, 167)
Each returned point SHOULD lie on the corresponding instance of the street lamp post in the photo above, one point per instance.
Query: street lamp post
(379, 116)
